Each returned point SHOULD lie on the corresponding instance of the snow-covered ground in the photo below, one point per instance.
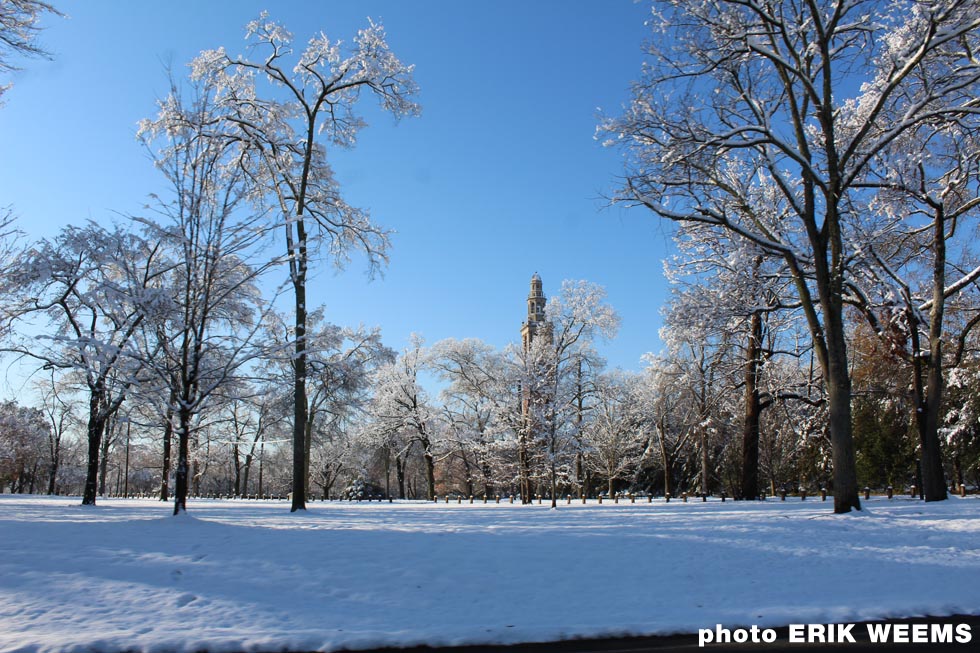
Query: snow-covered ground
(248, 575)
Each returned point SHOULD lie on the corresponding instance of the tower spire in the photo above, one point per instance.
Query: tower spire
(536, 321)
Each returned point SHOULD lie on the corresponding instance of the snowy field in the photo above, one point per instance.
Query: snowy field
(248, 575)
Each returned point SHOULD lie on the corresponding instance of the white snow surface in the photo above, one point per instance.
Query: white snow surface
(250, 576)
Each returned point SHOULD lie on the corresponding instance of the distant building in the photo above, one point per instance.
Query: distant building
(536, 323)
(534, 391)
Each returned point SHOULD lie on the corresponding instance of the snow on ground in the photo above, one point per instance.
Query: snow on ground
(250, 576)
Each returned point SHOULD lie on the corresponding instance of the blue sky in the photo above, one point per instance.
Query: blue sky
(499, 178)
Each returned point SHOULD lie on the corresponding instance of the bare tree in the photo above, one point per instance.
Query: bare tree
(96, 286)
(747, 119)
(919, 264)
(214, 243)
(304, 96)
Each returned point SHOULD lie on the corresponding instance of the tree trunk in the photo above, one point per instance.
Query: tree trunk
(928, 417)
(524, 470)
(104, 458)
(53, 468)
(430, 475)
(299, 370)
(553, 454)
(308, 440)
(96, 428)
(927, 425)
(387, 474)
(246, 468)
(400, 476)
(846, 497)
(749, 480)
(704, 462)
(237, 483)
(168, 436)
(183, 461)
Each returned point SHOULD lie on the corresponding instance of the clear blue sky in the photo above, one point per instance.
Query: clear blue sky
(499, 178)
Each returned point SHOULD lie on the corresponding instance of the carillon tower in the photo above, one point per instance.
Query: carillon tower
(534, 391)
(536, 323)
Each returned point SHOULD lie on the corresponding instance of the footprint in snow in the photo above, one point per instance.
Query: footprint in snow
(184, 599)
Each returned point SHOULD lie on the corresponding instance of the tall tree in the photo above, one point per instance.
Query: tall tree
(96, 286)
(280, 103)
(920, 260)
(766, 118)
(214, 246)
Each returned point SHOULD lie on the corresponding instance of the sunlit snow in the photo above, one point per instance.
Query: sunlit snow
(248, 575)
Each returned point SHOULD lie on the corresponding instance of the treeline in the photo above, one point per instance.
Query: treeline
(455, 417)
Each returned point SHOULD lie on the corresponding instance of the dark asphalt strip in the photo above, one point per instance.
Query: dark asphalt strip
(689, 643)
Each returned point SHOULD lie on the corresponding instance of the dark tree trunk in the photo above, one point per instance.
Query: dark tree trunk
(387, 473)
(236, 461)
(400, 476)
(168, 437)
(846, 493)
(96, 429)
(246, 468)
(828, 334)
(183, 461)
(749, 480)
(928, 415)
(705, 472)
(53, 468)
(299, 371)
(926, 418)
(524, 470)
(430, 474)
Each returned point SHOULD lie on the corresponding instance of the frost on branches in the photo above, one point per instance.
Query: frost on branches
(771, 120)
(285, 108)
